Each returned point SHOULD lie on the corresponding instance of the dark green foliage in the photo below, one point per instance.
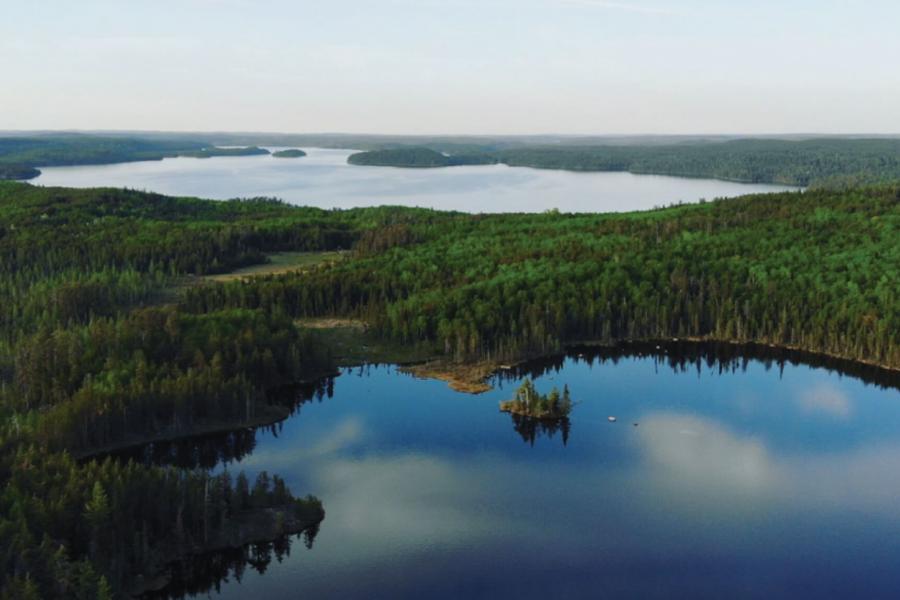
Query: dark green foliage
(89, 355)
(79, 531)
(289, 153)
(83, 366)
(418, 157)
(814, 270)
(154, 372)
(824, 162)
(70, 255)
(529, 402)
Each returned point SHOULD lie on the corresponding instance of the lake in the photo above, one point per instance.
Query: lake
(324, 179)
(726, 475)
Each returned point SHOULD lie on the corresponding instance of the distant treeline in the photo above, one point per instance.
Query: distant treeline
(20, 157)
(821, 162)
(417, 157)
(825, 162)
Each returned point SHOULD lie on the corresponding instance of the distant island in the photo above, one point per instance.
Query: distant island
(528, 402)
(417, 157)
(214, 151)
(290, 153)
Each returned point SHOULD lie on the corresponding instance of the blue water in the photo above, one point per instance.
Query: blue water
(324, 179)
(756, 482)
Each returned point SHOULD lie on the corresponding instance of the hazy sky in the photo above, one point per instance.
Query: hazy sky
(452, 66)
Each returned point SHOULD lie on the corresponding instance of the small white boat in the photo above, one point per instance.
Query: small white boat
(611, 419)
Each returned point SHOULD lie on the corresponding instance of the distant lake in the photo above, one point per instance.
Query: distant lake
(724, 476)
(324, 179)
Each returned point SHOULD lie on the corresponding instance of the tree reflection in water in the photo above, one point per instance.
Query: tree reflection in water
(682, 356)
(203, 573)
(208, 451)
(679, 356)
(530, 428)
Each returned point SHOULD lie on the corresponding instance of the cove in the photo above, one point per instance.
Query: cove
(324, 179)
(727, 474)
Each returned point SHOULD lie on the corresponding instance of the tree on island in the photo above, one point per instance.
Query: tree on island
(531, 403)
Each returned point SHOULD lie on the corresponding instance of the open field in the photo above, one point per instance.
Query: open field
(351, 343)
(279, 263)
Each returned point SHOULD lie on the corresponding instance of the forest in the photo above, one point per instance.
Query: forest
(109, 335)
(815, 270)
(21, 157)
(95, 354)
(528, 402)
(833, 163)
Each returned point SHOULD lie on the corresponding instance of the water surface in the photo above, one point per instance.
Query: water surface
(324, 179)
(721, 479)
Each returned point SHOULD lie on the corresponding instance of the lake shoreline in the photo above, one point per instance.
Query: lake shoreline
(472, 377)
(323, 179)
(251, 526)
(265, 414)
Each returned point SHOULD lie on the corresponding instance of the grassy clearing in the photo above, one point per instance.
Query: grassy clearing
(351, 343)
(470, 378)
(279, 263)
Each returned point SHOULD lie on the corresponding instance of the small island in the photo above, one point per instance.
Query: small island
(530, 403)
(216, 151)
(289, 153)
(416, 157)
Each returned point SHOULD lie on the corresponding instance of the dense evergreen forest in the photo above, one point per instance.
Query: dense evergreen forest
(107, 335)
(813, 270)
(93, 354)
(834, 163)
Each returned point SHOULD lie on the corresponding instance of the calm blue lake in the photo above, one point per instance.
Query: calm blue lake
(324, 179)
(738, 478)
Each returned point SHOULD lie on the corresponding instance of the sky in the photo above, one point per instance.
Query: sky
(452, 66)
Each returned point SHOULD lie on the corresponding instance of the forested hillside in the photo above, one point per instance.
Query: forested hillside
(814, 270)
(825, 162)
(835, 163)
